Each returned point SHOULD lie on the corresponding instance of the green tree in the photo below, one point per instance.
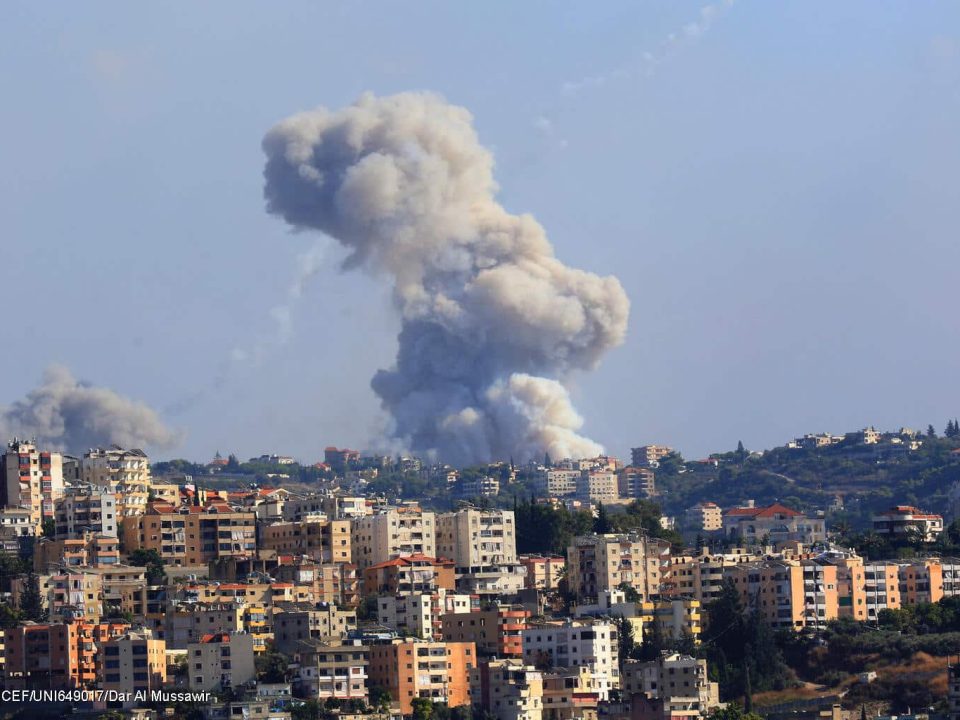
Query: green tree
(601, 525)
(151, 560)
(49, 528)
(732, 712)
(272, 666)
(931, 433)
(31, 602)
(422, 708)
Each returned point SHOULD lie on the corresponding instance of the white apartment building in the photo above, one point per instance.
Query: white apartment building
(392, 533)
(88, 509)
(577, 644)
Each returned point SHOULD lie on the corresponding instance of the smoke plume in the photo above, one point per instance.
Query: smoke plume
(65, 414)
(492, 322)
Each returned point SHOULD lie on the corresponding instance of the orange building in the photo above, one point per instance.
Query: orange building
(191, 535)
(921, 582)
(789, 594)
(543, 572)
(496, 632)
(56, 657)
(438, 671)
(409, 574)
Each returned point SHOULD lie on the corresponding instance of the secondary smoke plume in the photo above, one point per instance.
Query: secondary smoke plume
(65, 414)
(492, 322)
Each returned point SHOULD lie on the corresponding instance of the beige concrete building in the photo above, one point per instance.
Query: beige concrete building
(32, 479)
(508, 689)
(599, 486)
(220, 661)
(704, 516)
(672, 686)
(191, 535)
(636, 482)
(395, 532)
(294, 622)
(125, 472)
(596, 563)
(649, 455)
(332, 670)
(477, 540)
(325, 541)
(133, 663)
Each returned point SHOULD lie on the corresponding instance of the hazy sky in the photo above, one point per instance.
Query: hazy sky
(775, 184)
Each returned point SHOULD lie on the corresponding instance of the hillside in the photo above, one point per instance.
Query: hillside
(866, 477)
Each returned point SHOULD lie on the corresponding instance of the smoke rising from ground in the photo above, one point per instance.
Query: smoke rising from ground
(66, 414)
(492, 322)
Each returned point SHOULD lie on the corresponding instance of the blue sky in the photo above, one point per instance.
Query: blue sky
(777, 191)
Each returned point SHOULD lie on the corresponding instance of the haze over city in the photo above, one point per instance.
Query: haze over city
(774, 190)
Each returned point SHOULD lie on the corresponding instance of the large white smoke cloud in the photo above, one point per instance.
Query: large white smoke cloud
(492, 321)
(63, 413)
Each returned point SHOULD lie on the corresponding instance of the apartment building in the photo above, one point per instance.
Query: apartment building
(542, 572)
(475, 487)
(409, 574)
(557, 482)
(32, 479)
(125, 472)
(418, 614)
(326, 541)
(575, 644)
(704, 517)
(508, 689)
(497, 631)
(60, 656)
(86, 509)
(191, 535)
(294, 622)
(776, 524)
(881, 587)
(66, 595)
(332, 670)
(921, 581)
(572, 693)
(477, 540)
(89, 549)
(906, 521)
(438, 671)
(636, 482)
(220, 661)
(670, 687)
(17, 529)
(335, 583)
(596, 563)
(598, 486)
(648, 456)
(393, 533)
(131, 663)
(774, 589)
